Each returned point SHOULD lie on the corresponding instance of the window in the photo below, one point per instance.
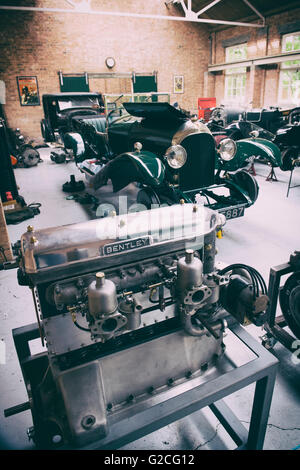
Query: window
(235, 84)
(289, 79)
(2, 92)
(235, 77)
(233, 53)
(77, 102)
(291, 42)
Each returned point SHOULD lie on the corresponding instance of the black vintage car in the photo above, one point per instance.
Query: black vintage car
(280, 127)
(61, 108)
(269, 119)
(172, 158)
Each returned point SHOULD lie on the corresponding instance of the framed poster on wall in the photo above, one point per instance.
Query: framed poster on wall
(28, 91)
(178, 83)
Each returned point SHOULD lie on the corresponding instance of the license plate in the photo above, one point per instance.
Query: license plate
(233, 212)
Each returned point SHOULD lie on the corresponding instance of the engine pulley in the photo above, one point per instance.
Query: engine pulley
(289, 298)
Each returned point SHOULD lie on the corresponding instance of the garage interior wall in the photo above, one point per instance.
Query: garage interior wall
(262, 90)
(42, 43)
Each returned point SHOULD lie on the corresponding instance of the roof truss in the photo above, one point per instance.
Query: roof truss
(84, 7)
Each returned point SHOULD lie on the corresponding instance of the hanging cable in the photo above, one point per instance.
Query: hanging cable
(81, 327)
(256, 278)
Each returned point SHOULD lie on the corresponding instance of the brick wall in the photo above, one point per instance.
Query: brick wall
(41, 44)
(264, 91)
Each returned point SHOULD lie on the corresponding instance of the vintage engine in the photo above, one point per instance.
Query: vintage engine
(129, 306)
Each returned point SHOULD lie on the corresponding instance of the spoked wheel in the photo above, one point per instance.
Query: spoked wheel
(290, 303)
(288, 156)
(29, 156)
(148, 197)
(247, 182)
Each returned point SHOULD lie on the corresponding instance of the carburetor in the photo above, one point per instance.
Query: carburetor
(128, 306)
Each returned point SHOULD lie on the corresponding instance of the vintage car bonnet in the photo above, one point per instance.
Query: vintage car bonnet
(157, 126)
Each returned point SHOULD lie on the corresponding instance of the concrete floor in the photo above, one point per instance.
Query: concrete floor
(263, 238)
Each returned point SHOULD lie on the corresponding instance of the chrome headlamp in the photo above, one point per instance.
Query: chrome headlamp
(176, 156)
(227, 149)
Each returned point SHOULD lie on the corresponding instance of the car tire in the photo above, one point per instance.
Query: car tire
(148, 197)
(289, 298)
(288, 155)
(248, 183)
(45, 131)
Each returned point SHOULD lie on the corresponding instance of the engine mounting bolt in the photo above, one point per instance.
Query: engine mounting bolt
(122, 223)
(195, 208)
(208, 247)
(170, 382)
(30, 228)
(113, 213)
(33, 240)
(182, 201)
(88, 421)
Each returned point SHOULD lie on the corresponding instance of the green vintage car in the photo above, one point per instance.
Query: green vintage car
(172, 158)
(252, 147)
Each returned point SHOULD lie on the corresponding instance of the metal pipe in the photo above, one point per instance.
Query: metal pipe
(186, 321)
(208, 327)
(17, 409)
(255, 10)
(194, 330)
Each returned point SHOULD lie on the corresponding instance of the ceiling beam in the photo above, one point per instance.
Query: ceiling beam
(287, 6)
(207, 7)
(189, 18)
(191, 15)
(274, 59)
(254, 9)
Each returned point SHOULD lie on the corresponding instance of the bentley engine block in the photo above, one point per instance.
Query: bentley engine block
(128, 306)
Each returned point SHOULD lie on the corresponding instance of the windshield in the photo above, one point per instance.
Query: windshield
(114, 102)
(262, 132)
(78, 102)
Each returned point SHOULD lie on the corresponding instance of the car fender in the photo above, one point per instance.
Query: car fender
(74, 141)
(151, 166)
(257, 147)
(240, 160)
(141, 167)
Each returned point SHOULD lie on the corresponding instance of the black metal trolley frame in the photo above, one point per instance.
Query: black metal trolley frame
(261, 371)
(275, 324)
